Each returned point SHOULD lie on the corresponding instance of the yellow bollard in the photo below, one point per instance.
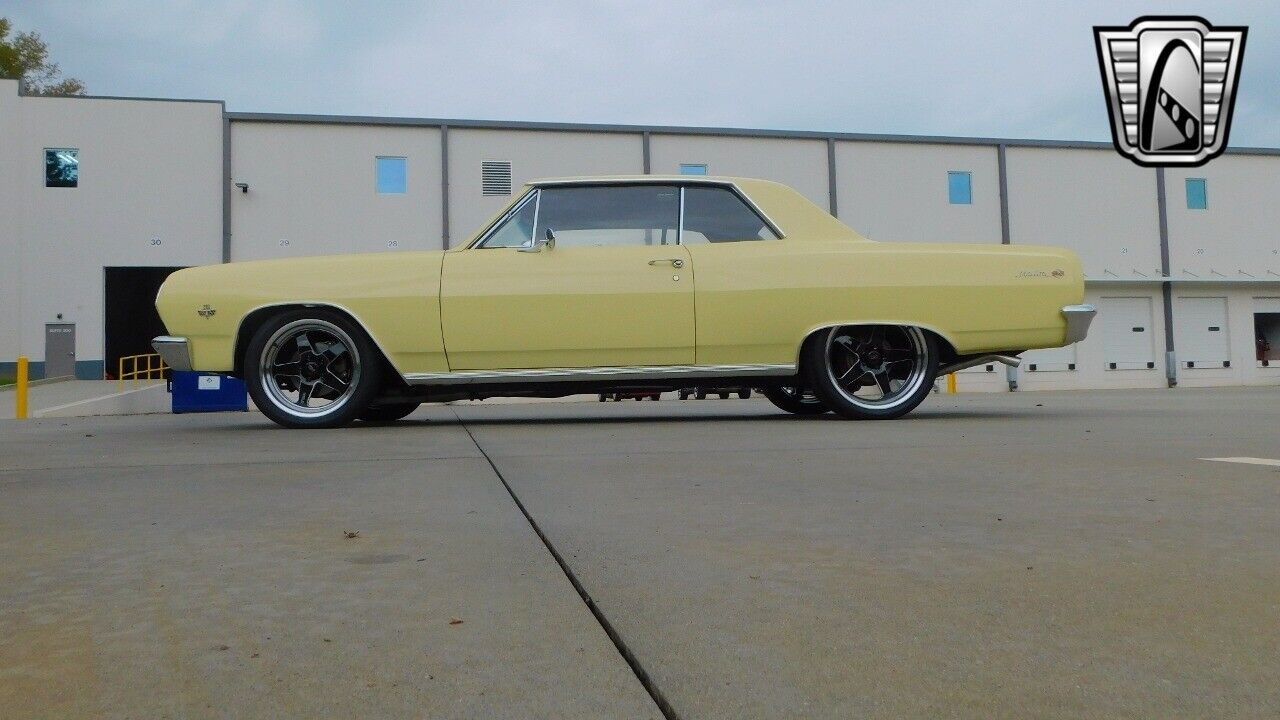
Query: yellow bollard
(951, 383)
(20, 409)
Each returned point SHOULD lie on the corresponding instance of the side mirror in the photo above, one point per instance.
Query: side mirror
(536, 245)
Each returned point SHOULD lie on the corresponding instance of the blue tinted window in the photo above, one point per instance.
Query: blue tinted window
(61, 167)
(690, 169)
(392, 176)
(960, 188)
(1197, 194)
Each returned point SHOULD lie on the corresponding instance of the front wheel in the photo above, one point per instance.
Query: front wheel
(312, 368)
(871, 372)
(795, 400)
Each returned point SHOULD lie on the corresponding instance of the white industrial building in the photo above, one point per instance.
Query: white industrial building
(1184, 265)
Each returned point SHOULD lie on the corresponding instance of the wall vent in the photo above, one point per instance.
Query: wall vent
(495, 177)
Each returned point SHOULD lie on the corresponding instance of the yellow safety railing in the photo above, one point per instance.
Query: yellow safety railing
(141, 367)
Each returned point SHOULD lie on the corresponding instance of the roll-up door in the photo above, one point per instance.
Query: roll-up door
(1200, 332)
(1128, 338)
(1050, 359)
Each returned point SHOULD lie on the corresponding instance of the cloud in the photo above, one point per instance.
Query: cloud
(982, 68)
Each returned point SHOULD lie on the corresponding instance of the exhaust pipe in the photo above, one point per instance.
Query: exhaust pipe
(962, 363)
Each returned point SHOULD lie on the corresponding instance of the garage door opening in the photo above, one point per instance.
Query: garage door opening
(1266, 331)
(132, 319)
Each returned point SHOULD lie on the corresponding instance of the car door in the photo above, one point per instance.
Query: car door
(746, 282)
(612, 289)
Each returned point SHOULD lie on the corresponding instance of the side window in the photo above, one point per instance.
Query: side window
(716, 214)
(610, 215)
(517, 229)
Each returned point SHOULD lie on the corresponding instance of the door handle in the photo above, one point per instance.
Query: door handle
(675, 262)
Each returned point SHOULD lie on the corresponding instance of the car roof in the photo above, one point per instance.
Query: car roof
(641, 179)
(786, 210)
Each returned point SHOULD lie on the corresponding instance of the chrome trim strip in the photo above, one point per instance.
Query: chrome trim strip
(979, 360)
(631, 372)
(174, 351)
(680, 220)
(1078, 319)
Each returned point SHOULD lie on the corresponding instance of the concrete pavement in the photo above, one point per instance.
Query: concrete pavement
(1018, 555)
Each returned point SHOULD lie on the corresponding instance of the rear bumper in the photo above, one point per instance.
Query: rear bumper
(1078, 319)
(174, 351)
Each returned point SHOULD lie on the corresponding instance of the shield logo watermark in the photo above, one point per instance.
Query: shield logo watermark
(1171, 86)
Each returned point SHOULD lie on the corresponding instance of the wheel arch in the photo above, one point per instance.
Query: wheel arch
(255, 318)
(946, 348)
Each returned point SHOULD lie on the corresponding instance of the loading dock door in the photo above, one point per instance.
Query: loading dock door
(1128, 340)
(59, 350)
(1050, 359)
(1200, 332)
(132, 319)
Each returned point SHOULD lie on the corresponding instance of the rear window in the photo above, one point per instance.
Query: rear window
(716, 214)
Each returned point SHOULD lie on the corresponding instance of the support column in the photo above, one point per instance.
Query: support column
(644, 149)
(1166, 287)
(226, 186)
(444, 186)
(831, 177)
(1010, 372)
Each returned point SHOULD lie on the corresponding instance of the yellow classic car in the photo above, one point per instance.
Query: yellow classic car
(623, 284)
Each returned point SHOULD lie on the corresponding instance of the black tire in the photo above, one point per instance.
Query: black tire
(723, 395)
(684, 394)
(387, 413)
(340, 353)
(700, 394)
(802, 403)
(745, 393)
(844, 363)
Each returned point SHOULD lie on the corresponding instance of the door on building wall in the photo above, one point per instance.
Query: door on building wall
(59, 350)
(1050, 359)
(1200, 332)
(1127, 335)
(131, 317)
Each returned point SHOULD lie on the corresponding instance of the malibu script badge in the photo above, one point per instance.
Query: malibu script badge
(1170, 85)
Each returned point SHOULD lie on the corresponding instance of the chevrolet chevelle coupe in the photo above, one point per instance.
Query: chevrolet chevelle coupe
(623, 284)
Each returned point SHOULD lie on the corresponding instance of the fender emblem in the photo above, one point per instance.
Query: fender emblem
(206, 311)
(1058, 273)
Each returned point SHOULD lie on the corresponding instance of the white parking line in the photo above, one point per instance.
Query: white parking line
(1246, 460)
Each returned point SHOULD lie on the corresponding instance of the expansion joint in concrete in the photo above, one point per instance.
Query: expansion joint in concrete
(646, 680)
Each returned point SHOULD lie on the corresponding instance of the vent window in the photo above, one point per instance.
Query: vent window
(495, 177)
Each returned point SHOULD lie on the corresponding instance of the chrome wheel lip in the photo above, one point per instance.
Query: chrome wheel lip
(903, 394)
(270, 358)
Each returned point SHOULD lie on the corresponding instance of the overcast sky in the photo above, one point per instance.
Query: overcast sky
(975, 68)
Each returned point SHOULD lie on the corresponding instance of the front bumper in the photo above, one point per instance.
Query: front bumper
(1078, 319)
(174, 351)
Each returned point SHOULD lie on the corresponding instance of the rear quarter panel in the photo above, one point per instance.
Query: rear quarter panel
(394, 296)
(757, 301)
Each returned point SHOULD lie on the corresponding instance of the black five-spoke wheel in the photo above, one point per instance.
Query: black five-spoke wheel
(311, 368)
(872, 371)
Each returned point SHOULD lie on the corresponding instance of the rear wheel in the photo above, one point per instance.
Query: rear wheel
(795, 400)
(387, 413)
(312, 368)
(872, 372)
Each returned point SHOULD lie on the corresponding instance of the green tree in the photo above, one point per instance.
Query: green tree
(25, 57)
